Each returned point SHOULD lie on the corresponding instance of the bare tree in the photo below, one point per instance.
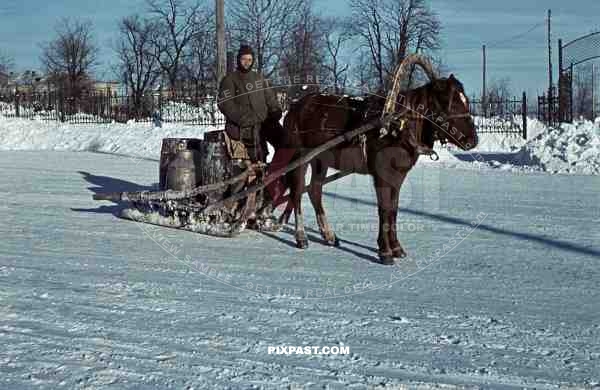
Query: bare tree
(368, 22)
(302, 56)
(498, 91)
(362, 75)
(138, 63)
(265, 25)
(391, 29)
(336, 36)
(70, 57)
(200, 59)
(6, 62)
(177, 23)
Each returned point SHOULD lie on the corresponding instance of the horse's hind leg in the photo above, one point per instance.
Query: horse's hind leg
(296, 187)
(315, 192)
(285, 216)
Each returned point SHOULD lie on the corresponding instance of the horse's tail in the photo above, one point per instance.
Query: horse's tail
(284, 153)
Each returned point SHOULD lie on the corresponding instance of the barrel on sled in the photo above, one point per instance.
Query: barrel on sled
(186, 163)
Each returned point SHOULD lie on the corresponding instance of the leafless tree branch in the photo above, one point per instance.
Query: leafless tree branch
(71, 56)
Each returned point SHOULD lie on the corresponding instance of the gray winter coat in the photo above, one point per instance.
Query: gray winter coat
(246, 99)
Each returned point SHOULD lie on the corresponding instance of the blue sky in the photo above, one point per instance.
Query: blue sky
(467, 24)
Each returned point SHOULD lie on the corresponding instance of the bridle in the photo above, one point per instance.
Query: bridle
(464, 102)
(414, 134)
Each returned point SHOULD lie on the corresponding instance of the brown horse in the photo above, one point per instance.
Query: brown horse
(438, 111)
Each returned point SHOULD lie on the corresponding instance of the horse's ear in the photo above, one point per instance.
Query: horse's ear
(451, 77)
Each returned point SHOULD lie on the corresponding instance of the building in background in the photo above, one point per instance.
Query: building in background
(108, 87)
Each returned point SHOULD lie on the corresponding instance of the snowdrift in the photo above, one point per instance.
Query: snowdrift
(570, 148)
(132, 139)
(567, 149)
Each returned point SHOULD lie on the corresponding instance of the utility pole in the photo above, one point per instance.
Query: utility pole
(561, 84)
(221, 59)
(593, 92)
(484, 90)
(550, 94)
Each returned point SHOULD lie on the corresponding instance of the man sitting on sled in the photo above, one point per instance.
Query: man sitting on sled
(247, 101)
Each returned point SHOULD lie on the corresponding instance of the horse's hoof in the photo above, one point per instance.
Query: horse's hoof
(252, 224)
(399, 253)
(336, 242)
(301, 244)
(386, 258)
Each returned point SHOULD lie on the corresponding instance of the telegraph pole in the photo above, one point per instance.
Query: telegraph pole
(593, 92)
(221, 59)
(550, 94)
(561, 84)
(484, 90)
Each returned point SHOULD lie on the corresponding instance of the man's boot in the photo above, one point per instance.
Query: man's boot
(239, 166)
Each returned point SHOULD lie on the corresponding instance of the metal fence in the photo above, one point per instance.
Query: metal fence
(575, 62)
(502, 116)
(106, 108)
(548, 110)
(506, 116)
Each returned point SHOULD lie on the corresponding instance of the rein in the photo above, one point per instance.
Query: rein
(400, 119)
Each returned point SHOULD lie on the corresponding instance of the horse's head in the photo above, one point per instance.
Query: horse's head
(455, 123)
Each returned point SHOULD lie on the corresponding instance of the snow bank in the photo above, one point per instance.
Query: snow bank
(567, 149)
(570, 148)
(131, 139)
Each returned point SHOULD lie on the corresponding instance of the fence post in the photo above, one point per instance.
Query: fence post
(571, 96)
(160, 98)
(17, 101)
(524, 114)
(61, 105)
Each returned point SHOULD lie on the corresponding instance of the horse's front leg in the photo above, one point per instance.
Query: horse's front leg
(315, 192)
(384, 208)
(397, 250)
(296, 190)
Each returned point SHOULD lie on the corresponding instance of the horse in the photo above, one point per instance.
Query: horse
(436, 111)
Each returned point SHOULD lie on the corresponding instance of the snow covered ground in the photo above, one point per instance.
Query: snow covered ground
(90, 301)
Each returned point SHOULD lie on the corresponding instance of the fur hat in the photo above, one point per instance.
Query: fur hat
(244, 49)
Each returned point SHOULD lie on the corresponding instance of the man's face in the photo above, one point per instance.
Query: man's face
(246, 61)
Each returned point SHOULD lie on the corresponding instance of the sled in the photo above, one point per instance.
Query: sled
(202, 189)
